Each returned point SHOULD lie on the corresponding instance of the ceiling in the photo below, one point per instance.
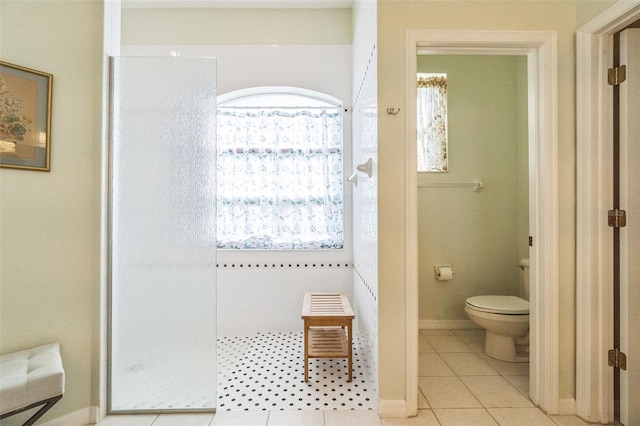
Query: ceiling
(239, 4)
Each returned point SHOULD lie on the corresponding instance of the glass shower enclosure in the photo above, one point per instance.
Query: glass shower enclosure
(162, 313)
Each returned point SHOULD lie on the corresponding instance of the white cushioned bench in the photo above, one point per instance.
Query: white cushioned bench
(31, 378)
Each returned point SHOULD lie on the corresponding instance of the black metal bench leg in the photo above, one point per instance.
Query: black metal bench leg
(48, 403)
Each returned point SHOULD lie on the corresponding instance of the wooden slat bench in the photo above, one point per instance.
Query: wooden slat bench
(328, 329)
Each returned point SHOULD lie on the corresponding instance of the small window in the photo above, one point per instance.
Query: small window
(279, 170)
(432, 122)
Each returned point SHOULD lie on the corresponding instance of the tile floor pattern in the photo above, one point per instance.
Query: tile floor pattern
(459, 385)
(266, 372)
(426, 417)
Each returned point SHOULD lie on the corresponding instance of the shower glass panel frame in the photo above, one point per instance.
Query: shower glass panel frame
(162, 242)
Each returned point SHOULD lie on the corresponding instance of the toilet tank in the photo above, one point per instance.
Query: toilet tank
(524, 267)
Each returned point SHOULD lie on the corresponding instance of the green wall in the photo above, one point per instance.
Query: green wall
(476, 232)
(195, 26)
(586, 10)
(49, 222)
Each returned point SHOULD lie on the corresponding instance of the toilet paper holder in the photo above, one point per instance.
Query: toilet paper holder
(443, 272)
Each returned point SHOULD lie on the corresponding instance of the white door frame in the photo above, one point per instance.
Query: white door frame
(540, 47)
(594, 258)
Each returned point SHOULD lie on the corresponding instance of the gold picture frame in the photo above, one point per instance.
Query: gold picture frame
(25, 118)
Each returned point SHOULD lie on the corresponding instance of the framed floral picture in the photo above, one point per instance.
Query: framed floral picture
(25, 118)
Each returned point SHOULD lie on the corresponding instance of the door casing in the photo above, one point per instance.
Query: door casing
(594, 257)
(540, 47)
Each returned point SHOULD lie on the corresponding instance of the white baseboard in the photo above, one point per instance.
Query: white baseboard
(83, 417)
(567, 407)
(446, 324)
(392, 408)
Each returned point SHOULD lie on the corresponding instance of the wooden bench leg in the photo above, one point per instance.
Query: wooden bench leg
(350, 343)
(306, 352)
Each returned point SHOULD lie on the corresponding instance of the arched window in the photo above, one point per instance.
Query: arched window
(279, 179)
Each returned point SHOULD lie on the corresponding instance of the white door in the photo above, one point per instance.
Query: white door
(630, 235)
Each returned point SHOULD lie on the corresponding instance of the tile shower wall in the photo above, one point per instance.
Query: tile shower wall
(262, 290)
(266, 297)
(365, 193)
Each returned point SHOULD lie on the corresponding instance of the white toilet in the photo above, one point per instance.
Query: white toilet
(506, 321)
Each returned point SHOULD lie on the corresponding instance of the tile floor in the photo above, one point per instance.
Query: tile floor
(265, 372)
(459, 385)
(426, 417)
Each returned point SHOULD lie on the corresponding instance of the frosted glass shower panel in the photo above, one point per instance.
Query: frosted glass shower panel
(163, 256)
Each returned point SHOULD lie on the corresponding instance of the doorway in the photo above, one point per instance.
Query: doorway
(540, 50)
(484, 235)
(627, 313)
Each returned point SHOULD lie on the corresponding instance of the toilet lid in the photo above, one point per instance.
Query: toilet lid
(500, 304)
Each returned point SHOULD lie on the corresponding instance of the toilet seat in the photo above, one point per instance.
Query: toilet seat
(505, 305)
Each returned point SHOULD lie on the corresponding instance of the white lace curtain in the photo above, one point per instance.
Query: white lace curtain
(279, 178)
(432, 123)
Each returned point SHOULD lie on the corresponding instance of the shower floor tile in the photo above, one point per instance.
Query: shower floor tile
(266, 372)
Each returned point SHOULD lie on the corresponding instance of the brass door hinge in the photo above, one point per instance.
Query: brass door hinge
(617, 75)
(617, 218)
(617, 359)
